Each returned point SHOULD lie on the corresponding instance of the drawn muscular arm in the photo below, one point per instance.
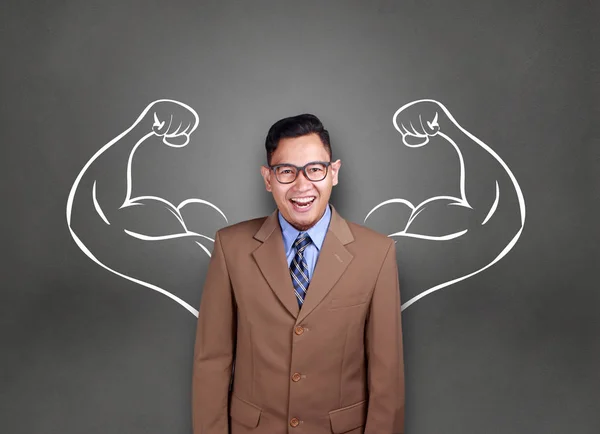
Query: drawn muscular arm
(105, 183)
(144, 238)
(447, 217)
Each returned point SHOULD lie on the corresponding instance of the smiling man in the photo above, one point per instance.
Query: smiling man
(299, 329)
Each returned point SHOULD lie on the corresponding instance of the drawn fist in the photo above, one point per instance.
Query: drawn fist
(173, 121)
(417, 121)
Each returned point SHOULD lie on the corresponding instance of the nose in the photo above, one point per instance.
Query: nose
(302, 182)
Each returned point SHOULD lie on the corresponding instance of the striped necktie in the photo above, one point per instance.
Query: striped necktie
(299, 268)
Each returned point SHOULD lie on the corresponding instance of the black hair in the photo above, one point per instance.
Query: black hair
(296, 126)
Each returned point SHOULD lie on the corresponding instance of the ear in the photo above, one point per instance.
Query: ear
(266, 174)
(335, 170)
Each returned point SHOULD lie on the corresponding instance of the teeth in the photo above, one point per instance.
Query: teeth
(303, 200)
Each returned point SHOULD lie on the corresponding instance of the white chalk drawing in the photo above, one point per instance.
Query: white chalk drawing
(174, 122)
(417, 121)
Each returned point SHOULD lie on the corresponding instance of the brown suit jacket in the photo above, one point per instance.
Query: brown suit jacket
(334, 366)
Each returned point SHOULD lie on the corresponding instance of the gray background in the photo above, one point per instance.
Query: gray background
(515, 349)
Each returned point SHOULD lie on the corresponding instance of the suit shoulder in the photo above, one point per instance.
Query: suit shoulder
(363, 234)
(247, 227)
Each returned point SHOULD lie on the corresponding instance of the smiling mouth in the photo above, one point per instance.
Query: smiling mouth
(303, 202)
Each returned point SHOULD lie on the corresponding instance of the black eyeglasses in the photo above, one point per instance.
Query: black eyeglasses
(313, 171)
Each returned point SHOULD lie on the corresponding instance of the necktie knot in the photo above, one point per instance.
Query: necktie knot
(302, 241)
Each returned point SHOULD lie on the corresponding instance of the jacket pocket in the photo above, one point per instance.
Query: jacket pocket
(244, 412)
(348, 418)
(348, 301)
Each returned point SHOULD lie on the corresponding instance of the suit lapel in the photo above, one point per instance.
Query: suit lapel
(270, 258)
(333, 260)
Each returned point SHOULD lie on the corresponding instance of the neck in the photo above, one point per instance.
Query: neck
(304, 228)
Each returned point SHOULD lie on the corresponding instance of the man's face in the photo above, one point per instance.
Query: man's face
(299, 151)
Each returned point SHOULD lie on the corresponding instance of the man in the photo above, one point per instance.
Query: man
(305, 304)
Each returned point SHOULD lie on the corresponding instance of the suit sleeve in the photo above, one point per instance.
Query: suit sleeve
(214, 349)
(384, 348)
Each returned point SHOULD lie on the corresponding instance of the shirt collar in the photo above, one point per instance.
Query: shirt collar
(317, 232)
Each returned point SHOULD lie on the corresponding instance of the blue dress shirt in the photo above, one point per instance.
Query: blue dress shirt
(317, 235)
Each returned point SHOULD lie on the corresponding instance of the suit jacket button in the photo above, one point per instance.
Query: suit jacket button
(296, 377)
(294, 422)
(299, 330)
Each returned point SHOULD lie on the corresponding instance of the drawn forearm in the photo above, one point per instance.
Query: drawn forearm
(106, 180)
(492, 185)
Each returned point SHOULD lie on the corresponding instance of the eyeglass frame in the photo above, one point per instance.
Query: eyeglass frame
(300, 169)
